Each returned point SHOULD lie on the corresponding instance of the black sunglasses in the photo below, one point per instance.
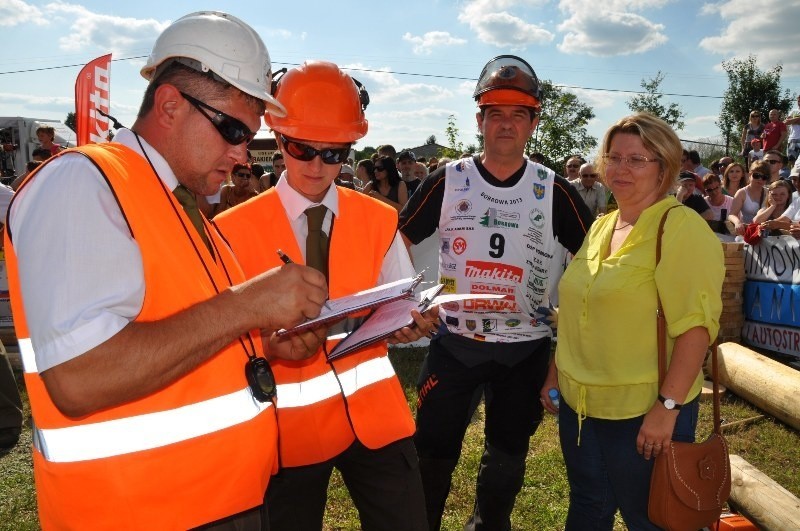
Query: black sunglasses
(243, 175)
(379, 168)
(759, 176)
(232, 130)
(304, 152)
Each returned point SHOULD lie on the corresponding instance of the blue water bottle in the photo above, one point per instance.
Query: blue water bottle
(554, 399)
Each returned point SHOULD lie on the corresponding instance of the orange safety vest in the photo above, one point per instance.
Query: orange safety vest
(196, 451)
(322, 406)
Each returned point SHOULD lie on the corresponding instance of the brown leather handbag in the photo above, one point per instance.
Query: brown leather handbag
(690, 481)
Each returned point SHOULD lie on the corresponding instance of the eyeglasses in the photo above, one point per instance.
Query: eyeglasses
(773, 161)
(242, 175)
(304, 152)
(591, 175)
(711, 189)
(379, 168)
(635, 161)
(232, 130)
(573, 165)
(759, 176)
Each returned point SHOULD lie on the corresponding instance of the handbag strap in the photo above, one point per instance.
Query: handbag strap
(661, 327)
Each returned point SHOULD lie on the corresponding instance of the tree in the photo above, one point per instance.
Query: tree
(70, 121)
(749, 88)
(364, 153)
(454, 147)
(650, 102)
(562, 127)
(430, 140)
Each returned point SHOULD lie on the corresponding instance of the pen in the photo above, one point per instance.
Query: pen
(286, 260)
(284, 257)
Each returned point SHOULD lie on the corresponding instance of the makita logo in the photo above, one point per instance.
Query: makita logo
(493, 271)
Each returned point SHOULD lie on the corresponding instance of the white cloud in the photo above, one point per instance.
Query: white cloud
(14, 12)
(611, 30)
(596, 99)
(770, 33)
(421, 114)
(106, 32)
(35, 101)
(425, 44)
(494, 24)
(384, 87)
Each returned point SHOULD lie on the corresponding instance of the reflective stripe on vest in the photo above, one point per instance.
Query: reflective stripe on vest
(325, 386)
(27, 354)
(145, 432)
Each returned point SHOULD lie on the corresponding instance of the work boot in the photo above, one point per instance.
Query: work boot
(500, 479)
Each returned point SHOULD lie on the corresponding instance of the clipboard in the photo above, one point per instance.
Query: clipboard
(385, 321)
(363, 300)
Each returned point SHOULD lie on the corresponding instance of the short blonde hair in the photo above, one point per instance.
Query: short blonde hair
(657, 137)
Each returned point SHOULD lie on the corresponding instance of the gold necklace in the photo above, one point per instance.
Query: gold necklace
(622, 227)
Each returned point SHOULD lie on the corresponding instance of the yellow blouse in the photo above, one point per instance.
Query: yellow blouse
(607, 352)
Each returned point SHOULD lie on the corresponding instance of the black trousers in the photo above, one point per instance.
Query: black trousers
(385, 486)
(513, 413)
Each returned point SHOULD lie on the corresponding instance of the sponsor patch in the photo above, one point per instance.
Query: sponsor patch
(513, 323)
(451, 306)
(489, 325)
(463, 207)
(538, 190)
(542, 174)
(471, 324)
(449, 284)
(459, 245)
(499, 218)
(492, 271)
(537, 218)
(450, 320)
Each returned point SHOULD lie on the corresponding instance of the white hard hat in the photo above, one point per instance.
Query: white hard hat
(220, 43)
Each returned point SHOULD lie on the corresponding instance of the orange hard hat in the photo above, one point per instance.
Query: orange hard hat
(508, 80)
(323, 104)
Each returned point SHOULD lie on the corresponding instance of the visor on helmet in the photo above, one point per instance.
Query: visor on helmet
(509, 73)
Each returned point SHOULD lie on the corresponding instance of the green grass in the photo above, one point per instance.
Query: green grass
(768, 444)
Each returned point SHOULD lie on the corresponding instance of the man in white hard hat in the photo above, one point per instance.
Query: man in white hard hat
(149, 389)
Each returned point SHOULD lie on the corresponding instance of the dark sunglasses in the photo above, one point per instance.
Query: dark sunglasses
(759, 176)
(711, 189)
(379, 168)
(573, 165)
(773, 161)
(592, 175)
(304, 152)
(232, 130)
(242, 175)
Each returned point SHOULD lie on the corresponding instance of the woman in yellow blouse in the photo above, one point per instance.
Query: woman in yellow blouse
(613, 417)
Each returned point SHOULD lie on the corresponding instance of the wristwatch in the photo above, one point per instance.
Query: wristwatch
(669, 403)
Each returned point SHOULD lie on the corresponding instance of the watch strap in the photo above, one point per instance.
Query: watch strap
(664, 399)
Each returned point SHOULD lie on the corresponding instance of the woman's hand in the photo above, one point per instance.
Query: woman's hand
(656, 431)
(550, 382)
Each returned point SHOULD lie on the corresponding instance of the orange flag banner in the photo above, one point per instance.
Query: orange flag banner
(93, 93)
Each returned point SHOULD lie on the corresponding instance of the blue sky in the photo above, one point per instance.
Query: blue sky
(419, 60)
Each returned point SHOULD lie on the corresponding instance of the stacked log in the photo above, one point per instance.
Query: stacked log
(732, 319)
(758, 496)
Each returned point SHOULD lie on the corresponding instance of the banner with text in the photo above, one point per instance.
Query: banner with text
(772, 295)
(93, 94)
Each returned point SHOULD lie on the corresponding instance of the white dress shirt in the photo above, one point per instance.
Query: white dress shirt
(396, 263)
(80, 270)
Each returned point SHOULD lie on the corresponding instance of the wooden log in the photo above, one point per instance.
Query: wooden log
(765, 383)
(766, 503)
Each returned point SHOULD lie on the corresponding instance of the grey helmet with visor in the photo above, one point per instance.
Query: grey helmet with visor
(508, 80)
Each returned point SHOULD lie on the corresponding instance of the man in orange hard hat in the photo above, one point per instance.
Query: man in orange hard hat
(350, 413)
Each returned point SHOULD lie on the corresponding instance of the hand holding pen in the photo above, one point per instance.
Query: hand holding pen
(286, 260)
